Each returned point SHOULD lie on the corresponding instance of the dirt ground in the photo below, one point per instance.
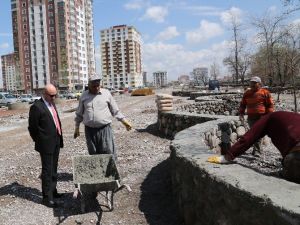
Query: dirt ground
(142, 163)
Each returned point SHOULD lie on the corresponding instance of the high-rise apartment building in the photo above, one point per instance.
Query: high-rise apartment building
(10, 72)
(53, 41)
(121, 59)
(160, 79)
(145, 78)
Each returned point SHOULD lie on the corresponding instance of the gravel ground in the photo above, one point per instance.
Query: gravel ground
(142, 163)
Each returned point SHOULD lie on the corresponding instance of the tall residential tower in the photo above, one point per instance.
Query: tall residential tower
(121, 59)
(53, 42)
(10, 72)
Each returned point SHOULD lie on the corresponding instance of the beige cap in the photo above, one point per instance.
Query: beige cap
(256, 79)
(94, 78)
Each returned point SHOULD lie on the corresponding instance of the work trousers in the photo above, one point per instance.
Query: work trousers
(291, 167)
(257, 146)
(49, 172)
(100, 140)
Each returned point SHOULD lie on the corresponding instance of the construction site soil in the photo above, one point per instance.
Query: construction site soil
(142, 163)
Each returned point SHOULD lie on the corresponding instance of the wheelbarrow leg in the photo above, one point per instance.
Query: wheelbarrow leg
(82, 205)
(79, 195)
(110, 200)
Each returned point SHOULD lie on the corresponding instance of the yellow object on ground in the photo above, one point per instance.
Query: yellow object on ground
(217, 159)
(142, 92)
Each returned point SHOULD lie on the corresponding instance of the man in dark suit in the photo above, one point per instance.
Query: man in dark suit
(45, 130)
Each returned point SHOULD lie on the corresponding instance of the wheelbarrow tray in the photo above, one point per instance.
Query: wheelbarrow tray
(95, 173)
(95, 170)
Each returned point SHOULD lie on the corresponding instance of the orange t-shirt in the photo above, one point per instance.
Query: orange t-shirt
(257, 103)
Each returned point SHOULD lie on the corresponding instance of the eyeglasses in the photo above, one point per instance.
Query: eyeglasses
(52, 96)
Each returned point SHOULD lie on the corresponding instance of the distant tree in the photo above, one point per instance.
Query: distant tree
(291, 5)
(291, 41)
(214, 70)
(269, 33)
(238, 61)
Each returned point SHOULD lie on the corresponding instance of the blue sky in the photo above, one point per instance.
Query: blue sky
(178, 35)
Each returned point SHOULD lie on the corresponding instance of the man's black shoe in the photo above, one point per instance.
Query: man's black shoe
(58, 195)
(49, 203)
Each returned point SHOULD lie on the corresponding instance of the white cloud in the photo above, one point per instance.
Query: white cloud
(204, 32)
(135, 4)
(203, 10)
(176, 60)
(167, 34)
(296, 22)
(232, 13)
(156, 14)
(4, 46)
(273, 9)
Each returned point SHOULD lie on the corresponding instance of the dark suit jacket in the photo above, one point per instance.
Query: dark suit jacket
(42, 128)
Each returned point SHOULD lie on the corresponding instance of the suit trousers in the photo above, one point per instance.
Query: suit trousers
(49, 171)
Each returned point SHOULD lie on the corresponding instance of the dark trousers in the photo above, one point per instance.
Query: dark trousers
(49, 172)
(291, 167)
(257, 146)
(100, 140)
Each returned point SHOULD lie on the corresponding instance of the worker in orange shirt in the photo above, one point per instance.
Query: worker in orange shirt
(257, 101)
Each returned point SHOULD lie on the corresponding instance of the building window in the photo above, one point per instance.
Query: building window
(23, 11)
(27, 62)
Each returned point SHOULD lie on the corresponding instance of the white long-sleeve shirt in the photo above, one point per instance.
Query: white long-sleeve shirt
(97, 110)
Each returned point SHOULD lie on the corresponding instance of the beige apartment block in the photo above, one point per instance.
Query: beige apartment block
(121, 59)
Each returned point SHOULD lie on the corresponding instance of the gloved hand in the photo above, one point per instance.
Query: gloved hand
(219, 159)
(127, 124)
(76, 132)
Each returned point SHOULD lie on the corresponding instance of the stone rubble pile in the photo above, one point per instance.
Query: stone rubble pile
(216, 107)
(225, 133)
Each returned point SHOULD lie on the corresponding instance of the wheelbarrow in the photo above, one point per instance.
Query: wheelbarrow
(96, 173)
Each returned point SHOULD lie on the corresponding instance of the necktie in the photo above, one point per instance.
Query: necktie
(56, 121)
